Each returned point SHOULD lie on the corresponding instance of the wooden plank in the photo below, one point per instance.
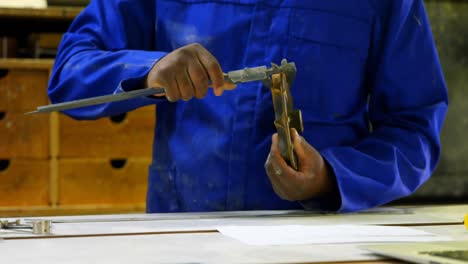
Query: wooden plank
(24, 136)
(128, 136)
(23, 89)
(101, 181)
(51, 13)
(44, 64)
(17, 211)
(24, 182)
(54, 156)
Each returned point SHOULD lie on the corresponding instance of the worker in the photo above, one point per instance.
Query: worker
(369, 84)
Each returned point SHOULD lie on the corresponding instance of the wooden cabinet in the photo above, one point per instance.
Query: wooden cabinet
(22, 86)
(21, 89)
(122, 136)
(24, 136)
(25, 154)
(102, 181)
(24, 182)
(51, 164)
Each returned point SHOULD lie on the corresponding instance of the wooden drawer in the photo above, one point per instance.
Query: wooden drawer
(100, 181)
(22, 90)
(24, 182)
(129, 135)
(24, 136)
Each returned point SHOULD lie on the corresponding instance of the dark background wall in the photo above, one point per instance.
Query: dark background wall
(449, 21)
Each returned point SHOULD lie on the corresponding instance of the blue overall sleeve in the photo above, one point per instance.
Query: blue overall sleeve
(105, 51)
(407, 105)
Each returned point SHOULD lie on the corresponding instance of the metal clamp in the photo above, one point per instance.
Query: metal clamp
(37, 227)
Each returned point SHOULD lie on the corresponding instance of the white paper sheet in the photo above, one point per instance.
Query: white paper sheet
(325, 234)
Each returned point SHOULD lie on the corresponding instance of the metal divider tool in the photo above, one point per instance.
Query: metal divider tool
(286, 117)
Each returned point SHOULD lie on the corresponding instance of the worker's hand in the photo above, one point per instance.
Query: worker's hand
(312, 180)
(186, 72)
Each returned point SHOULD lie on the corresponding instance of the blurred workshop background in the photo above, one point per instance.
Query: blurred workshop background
(53, 165)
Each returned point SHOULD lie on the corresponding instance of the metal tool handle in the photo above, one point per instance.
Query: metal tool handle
(98, 100)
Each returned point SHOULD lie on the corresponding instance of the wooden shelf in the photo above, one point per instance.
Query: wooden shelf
(71, 210)
(52, 13)
(15, 63)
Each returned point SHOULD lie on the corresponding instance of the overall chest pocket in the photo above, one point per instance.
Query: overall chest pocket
(221, 26)
(330, 51)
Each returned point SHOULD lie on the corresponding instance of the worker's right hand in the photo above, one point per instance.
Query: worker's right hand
(186, 73)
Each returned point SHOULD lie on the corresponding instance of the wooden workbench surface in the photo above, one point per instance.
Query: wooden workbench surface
(192, 237)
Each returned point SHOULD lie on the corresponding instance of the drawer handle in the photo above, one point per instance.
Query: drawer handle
(118, 118)
(3, 73)
(2, 115)
(4, 164)
(118, 163)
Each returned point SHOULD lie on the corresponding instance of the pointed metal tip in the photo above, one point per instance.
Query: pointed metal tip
(32, 112)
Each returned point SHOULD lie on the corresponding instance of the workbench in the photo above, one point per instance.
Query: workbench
(193, 237)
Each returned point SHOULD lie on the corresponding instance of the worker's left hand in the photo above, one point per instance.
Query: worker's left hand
(312, 180)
